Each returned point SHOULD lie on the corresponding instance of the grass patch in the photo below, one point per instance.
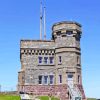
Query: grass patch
(91, 98)
(9, 97)
(47, 98)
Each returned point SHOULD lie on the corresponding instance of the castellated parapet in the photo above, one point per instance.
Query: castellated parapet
(53, 67)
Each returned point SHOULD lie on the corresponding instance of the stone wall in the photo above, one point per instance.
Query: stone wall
(65, 41)
(59, 91)
(30, 65)
(81, 90)
(37, 44)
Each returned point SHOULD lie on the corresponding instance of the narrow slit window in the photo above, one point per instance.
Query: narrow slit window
(60, 78)
(40, 79)
(79, 79)
(60, 59)
(78, 60)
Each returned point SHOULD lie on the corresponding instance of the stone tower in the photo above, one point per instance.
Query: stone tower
(67, 40)
(53, 67)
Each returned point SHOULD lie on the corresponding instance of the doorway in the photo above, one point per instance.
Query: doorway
(70, 79)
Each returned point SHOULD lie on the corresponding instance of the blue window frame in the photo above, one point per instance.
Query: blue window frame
(51, 60)
(45, 79)
(69, 32)
(40, 60)
(70, 76)
(45, 60)
(51, 79)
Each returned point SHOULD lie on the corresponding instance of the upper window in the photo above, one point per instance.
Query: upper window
(40, 60)
(51, 60)
(79, 79)
(58, 33)
(69, 32)
(78, 60)
(45, 60)
(60, 59)
(70, 76)
(23, 78)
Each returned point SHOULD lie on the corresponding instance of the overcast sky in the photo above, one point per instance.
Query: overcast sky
(19, 19)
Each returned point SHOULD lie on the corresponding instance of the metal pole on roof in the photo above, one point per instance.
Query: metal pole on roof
(44, 21)
(41, 17)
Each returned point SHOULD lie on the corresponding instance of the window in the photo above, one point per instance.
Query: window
(70, 76)
(60, 60)
(79, 79)
(51, 79)
(51, 60)
(58, 33)
(69, 32)
(45, 79)
(40, 60)
(45, 60)
(40, 79)
(23, 78)
(60, 78)
(78, 60)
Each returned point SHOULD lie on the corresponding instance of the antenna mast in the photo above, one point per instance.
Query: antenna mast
(44, 23)
(41, 16)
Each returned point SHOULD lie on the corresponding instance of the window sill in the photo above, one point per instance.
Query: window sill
(59, 63)
(46, 84)
(40, 84)
(60, 83)
(46, 64)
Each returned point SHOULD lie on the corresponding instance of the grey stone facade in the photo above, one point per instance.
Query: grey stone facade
(58, 57)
